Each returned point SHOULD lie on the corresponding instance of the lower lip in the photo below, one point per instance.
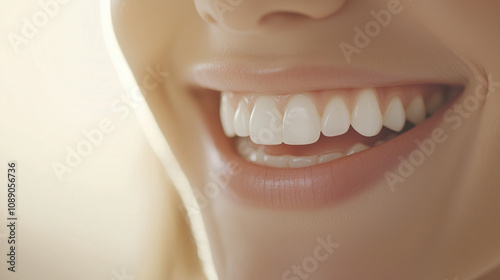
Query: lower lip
(321, 185)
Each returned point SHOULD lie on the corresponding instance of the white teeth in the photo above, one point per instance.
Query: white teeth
(297, 162)
(357, 148)
(276, 161)
(336, 118)
(330, 157)
(266, 122)
(301, 123)
(415, 112)
(258, 156)
(434, 103)
(242, 120)
(366, 118)
(226, 114)
(394, 117)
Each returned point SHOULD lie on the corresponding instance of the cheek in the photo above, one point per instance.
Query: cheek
(465, 27)
(146, 28)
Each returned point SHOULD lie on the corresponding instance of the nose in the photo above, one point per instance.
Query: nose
(248, 15)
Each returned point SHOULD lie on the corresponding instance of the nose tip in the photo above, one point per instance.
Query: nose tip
(248, 15)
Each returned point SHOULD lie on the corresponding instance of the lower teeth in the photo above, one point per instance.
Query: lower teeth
(248, 150)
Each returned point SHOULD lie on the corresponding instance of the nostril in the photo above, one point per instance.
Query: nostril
(281, 18)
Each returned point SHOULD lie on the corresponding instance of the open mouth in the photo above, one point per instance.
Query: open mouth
(301, 130)
(311, 137)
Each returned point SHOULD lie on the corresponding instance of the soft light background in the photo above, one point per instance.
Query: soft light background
(98, 221)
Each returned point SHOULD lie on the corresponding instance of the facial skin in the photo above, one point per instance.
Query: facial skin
(441, 222)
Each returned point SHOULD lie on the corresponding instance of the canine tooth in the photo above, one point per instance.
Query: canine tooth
(434, 103)
(297, 162)
(366, 117)
(415, 112)
(358, 147)
(266, 122)
(330, 157)
(276, 161)
(336, 118)
(379, 142)
(242, 120)
(301, 122)
(227, 114)
(394, 117)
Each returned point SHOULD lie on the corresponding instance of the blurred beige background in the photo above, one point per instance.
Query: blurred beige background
(90, 190)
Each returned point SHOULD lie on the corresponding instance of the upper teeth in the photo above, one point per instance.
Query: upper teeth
(366, 117)
(301, 123)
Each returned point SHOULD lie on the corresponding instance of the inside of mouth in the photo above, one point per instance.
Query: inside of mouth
(325, 148)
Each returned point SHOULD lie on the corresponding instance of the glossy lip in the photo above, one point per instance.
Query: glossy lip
(315, 186)
(295, 79)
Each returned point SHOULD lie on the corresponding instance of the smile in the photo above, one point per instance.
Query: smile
(348, 121)
(304, 147)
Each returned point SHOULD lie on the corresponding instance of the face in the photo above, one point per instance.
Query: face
(330, 138)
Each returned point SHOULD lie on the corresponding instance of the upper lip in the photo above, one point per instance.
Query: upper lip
(277, 79)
